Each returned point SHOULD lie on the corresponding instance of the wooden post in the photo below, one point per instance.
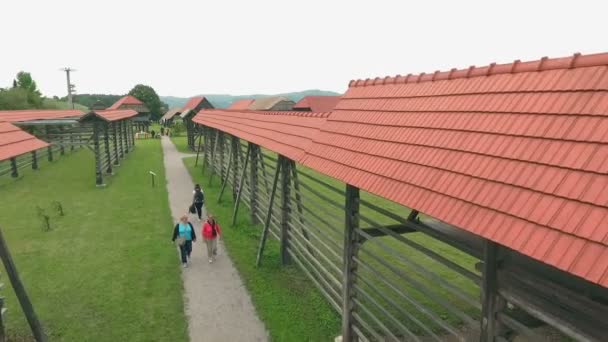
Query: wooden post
(349, 270)
(118, 129)
(285, 208)
(26, 305)
(106, 143)
(253, 182)
(269, 213)
(123, 123)
(98, 171)
(50, 148)
(489, 292)
(198, 150)
(220, 150)
(240, 188)
(61, 143)
(14, 171)
(115, 143)
(132, 134)
(213, 155)
(34, 160)
(2, 330)
(206, 148)
(300, 208)
(72, 147)
(225, 181)
(236, 152)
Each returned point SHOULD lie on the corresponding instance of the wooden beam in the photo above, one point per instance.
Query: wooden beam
(106, 144)
(237, 152)
(115, 143)
(20, 292)
(349, 266)
(96, 150)
(240, 188)
(198, 150)
(395, 228)
(489, 292)
(253, 182)
(14, 170)
(268, 214)
(34, 160)
(213, 155)
(285, 208)
(225, 181)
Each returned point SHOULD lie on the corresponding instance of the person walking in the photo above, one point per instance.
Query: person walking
(198, 200)
(211, 232)
(184, 236)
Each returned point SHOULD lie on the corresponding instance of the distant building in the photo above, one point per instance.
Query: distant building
(142, 120)
(276, 103)
(241, 104)
(192, 107)
(317, 104)
(170, 116)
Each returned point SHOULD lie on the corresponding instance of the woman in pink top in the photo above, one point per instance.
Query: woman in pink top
(211, 232)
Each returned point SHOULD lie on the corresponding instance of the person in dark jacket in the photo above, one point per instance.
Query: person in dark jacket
(185, 236)
(198, 200)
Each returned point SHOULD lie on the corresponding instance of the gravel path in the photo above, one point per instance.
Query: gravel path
(217, 304)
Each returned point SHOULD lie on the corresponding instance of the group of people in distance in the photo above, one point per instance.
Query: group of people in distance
(184, 234)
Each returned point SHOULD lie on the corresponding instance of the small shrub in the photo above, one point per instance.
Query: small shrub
(46, 219)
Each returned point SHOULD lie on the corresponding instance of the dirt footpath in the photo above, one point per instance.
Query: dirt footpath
(217, 304)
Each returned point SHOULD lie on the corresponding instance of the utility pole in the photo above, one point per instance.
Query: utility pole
(71, 87)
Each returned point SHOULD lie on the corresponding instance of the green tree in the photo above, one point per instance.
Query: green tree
(26, 82)
(147, 95)
(14, 98)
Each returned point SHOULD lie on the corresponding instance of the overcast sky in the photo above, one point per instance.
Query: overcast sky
(183, 48)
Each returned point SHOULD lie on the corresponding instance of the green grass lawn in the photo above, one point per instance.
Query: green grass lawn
(288, 303)
(107, 270)
(181, 143)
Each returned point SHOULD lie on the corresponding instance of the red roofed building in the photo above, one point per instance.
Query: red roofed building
(190, 109)
(242, 104)
(15, 142)
(142, 120)
(317, 103)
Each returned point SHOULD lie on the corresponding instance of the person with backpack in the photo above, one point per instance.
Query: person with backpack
(211, 232)
(184, 236)
(198, 200)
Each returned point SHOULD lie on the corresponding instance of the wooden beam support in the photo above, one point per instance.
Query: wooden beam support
(34, 160)
(96, 150)
(225, 181)
(285, 209)
(489, 292)
(268, 213)
(50, 148)
(125, 136)
(106, 145)
(24, 300)
(198, 150)
(14, 170)
(240, 188)
(213, 155)
(349, 266)
(237, 152)
(253, 182)
(377, 232)
(115, 143)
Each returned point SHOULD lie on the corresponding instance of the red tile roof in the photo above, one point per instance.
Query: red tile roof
(194, 102)
(241, 104)
(38, 114)
(516, 153)
(288, 133)
(15, 142)
(317, 103)
(110, 115)
(126, 100)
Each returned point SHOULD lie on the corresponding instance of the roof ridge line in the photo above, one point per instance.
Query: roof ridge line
(577, 60)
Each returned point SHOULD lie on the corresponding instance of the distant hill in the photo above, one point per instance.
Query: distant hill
(223, 101)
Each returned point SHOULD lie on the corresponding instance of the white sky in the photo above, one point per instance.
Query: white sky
(183, 48)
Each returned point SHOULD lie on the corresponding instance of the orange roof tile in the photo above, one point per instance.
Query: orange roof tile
(241, 104)
(38, 114)
(516, 153)
(15, 142)
(288, 133)
(317, 103)
(126, 100)
(111, 115)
